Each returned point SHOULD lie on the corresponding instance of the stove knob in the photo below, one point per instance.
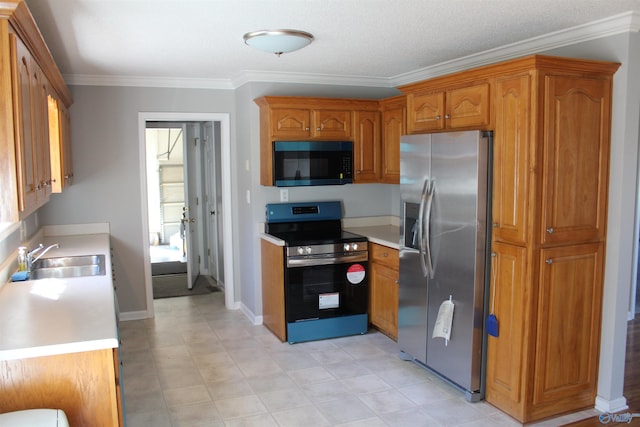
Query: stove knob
(300, 250)
(346, 247)
(354, 246)
(308, 249)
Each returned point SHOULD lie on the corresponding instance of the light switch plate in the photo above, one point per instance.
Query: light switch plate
(284, 195)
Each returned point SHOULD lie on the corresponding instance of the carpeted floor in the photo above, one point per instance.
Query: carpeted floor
(175, 285)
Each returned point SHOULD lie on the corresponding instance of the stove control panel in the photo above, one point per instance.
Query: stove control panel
(350, 247)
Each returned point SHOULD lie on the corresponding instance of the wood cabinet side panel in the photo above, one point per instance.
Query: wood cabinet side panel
(273, 296)
(81, 384)
(8, 163)
(505, 353)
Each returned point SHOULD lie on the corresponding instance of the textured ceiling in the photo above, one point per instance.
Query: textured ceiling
(368, 39)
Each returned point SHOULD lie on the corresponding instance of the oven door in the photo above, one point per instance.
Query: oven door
(322, 291)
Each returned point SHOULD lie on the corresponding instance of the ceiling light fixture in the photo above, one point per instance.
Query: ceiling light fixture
(278, 41)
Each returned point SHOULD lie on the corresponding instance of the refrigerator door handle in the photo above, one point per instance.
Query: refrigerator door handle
(421, 245)
(429, 208)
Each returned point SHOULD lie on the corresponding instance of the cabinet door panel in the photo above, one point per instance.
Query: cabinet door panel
(511, 158)
(505, 352)
(290, 123)
(367, 146)
(25, 143)
(332, 124)
(568, 332)
(426, 112)
(383, 301)
(467, 107)
(576, 164)
(393, 121)
(40, 130)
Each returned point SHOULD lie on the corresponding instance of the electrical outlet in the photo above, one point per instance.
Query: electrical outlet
(284, 195)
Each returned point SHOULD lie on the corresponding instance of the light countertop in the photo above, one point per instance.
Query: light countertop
(386, 235)
(57, 316)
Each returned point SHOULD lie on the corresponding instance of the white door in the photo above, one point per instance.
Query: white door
(191, 209)
(212, 212)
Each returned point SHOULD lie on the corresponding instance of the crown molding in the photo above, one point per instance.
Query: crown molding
(617, 24)
(141, 81)
(310, 78)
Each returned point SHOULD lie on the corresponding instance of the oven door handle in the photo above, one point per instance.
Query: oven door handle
(327, 259)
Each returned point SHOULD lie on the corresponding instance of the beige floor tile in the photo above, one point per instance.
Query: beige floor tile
(262, 420)
(311, 375)
(238, 407)
(369, 383)
(287, 398)
(227, 389)
(204, 414)
(305, 416)
(191, 395)
(199, 364)
(387, 401)
(345, 410)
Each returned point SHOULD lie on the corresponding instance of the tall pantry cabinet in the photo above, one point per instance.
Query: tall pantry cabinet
(550, 181)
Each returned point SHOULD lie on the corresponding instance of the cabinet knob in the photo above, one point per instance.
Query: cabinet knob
(438, 117)
(446, 116)
(306, 128)
(384, 255)
(495, 225)
(549, 261)
(318, 129)
(550, 230)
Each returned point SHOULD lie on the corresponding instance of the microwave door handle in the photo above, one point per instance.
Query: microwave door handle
(421, 242)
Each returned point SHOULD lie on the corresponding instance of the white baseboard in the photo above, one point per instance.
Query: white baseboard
(611, 406)
(134, 315)
(256, 320)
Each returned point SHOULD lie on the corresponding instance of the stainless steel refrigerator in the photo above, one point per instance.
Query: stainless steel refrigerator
(444, 253)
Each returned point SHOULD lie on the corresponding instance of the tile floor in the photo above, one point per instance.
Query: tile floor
(198, 364)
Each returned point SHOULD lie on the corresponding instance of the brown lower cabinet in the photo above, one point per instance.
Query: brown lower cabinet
(383, 289)
(85, 385)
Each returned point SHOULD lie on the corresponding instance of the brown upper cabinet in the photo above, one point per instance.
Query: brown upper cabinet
(288, 118)
(439, 109)
(309, 124)
(27, 123)
(394, 119)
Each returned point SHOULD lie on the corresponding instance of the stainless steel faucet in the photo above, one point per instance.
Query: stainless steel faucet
(30, 255)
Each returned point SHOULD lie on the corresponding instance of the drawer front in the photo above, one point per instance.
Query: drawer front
(384, 255)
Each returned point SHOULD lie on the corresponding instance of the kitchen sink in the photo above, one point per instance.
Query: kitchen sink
(70, 266)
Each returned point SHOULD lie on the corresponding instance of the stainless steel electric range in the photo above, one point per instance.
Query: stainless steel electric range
(326, 275)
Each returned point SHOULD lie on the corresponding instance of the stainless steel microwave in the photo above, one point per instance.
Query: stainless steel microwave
(304, 163)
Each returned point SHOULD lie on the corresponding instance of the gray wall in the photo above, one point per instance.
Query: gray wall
(106, 162)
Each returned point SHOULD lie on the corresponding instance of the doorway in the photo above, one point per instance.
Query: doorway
(185, 174)
(174, 189)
